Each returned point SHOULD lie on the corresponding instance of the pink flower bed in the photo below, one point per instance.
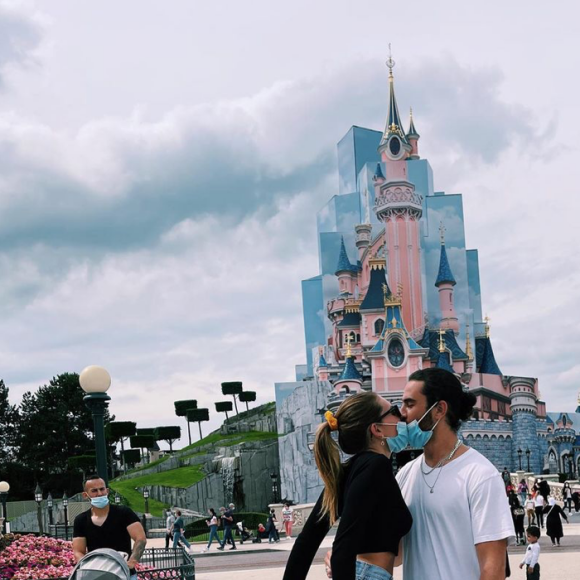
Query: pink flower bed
(29, 557)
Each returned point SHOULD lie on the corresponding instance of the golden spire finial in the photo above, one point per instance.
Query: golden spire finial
(468, 350)
(411, 113)
(442, 233)
(486, 320)
(441, 333)
(390, 63)
(348, 340)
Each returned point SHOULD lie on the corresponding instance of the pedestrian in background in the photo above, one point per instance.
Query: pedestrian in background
(540, 504)
(531, 510)
(544, 488)
(554, 529)
(228, 521)
(212, 523)
(567, 496)
(178, 529)
(523, 491)
(169, 528)
(288, 519)
(272, 531)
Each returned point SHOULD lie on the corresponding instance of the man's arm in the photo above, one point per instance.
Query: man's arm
(139, 538)
(79, 546)
(492, 559)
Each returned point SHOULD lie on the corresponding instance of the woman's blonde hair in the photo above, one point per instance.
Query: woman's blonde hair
(354, 417)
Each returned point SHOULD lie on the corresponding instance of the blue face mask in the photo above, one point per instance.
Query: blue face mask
(417, 437)
(401, 440)
(100, 502)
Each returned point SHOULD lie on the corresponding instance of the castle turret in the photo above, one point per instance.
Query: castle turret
(350, 379)
(413, 138)
(524, 407)
(322, 365)
(345, 271)
(364, 230)
(445, 283)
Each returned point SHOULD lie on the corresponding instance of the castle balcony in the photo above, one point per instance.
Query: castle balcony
(397, 198)
(564, 435)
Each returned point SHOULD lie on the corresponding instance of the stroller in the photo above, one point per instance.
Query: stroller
(244, 533)
(102, 564)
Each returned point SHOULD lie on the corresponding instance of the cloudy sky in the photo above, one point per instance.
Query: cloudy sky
(161, 165)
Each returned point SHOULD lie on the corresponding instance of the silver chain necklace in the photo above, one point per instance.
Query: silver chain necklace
(441, 465)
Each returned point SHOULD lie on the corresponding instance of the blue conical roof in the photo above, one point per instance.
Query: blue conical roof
(412, 131)
(485, 359)
(375, 298)
(349, 371)
(443, 362)
(322, 361)
(445, 276)
(394, 125)
(379, 172)
(344, 264)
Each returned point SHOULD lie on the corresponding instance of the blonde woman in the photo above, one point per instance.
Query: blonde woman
(362, 492)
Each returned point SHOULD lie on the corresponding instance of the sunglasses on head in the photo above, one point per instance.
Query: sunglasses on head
(395, 410)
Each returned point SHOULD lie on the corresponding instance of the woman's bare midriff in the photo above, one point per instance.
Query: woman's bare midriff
(385, 560)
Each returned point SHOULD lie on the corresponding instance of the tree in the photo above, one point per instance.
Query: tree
(169, 434)
(224, 407)
(54, 425)
(132, 456)
(247, 397)
(197, 416)
(232, 388)
(142, 441)
(84, 463)
(181, 408)
(8, 426)
(120, 431)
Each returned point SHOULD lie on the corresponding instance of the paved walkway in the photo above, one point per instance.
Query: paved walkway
(270, 559)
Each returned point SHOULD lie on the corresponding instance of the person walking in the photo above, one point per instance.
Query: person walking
(523, 492)
(362, 494)
(532, 557)
(531, 510)
(288, 520)
(544, 488)
(554, 529)
(567, 496)
(505, 475)
(228, 522)
(178, 531)
(169, 521)
(273, 535)
(518, 515)
(539, 508)
(212, 523)
(107, 526)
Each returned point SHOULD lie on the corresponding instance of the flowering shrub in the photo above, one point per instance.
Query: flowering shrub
(35, 558)
(31, 557)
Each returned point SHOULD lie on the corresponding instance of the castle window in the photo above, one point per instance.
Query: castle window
(486, 403)
(501, 408)
(379, 325)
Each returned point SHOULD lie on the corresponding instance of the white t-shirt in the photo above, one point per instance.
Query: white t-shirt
(468, 506)
(287, 515)
(539, 500)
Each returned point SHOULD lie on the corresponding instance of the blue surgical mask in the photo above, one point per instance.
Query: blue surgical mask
(100, 501)
(417, 437)
(401, 440)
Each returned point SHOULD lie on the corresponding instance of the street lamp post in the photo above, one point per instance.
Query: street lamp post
(520, 452)
(117, 499)
(4, 489)
(528, 452)
(274, 478)
(38, 500)
(49, 504)
(65, 506)
(95, 381)
(146, 497)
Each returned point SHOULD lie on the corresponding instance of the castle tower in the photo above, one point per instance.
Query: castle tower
(322, 365)
(364, 231)
(445, 282)
(413, 138)
(400, 209)
(345, 271)
(524, 407)
(350, 379)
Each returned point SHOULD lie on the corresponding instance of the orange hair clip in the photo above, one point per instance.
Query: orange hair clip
(331, 420)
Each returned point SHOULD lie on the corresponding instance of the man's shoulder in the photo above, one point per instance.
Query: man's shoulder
(83, 516)
(479, 464)
(407, 470)
(124, 511)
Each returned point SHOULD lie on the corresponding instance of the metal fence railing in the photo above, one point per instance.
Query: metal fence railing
(172, 564)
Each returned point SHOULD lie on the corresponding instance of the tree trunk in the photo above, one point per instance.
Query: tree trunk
(227, 418)
(235, 404)
(200, 435)
(247, 408)
(123, 464)
(189, 432)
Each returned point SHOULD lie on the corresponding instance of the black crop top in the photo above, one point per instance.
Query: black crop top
(373, 518)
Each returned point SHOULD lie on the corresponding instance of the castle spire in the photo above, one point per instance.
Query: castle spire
(468, 350)
(444, 276)
(444, 283)
(412, 132)
(394, 125)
